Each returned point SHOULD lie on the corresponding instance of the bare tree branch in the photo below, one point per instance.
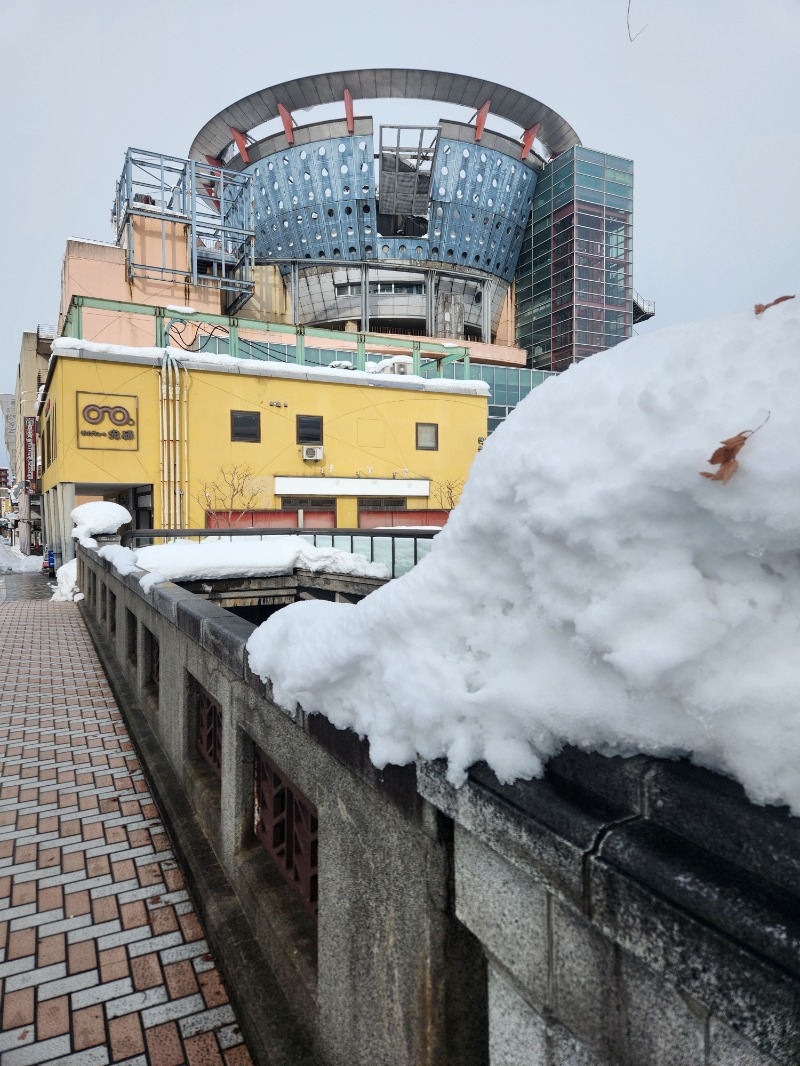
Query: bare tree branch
(231, 493)
(447, 493)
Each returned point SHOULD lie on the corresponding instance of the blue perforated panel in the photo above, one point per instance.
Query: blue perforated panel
(317, 201)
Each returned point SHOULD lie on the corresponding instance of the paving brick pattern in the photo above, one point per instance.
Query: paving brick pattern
(102, 955)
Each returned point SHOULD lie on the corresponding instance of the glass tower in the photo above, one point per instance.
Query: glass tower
(574, 295)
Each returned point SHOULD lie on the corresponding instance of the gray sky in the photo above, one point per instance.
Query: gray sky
(705, 101)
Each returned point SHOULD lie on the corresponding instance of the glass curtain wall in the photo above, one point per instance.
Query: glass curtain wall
(574, 296)
(508, 384)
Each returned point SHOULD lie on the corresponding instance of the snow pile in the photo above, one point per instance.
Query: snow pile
(97, 517)
(216, 557)
(591, 588)
(12, 561)
(67, 578)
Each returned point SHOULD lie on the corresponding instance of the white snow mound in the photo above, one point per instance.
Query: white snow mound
(67, 578)
(215, 558)
(97, 517)
(13, 561)
(591, 588)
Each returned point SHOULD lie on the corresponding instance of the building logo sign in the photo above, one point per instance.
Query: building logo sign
(29, 443)
(109, 422)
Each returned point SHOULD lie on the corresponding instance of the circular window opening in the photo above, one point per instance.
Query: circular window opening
(303, 155)
(343, 168)
(322, 150)
(348, 210)
(365, 209)
(341, 148)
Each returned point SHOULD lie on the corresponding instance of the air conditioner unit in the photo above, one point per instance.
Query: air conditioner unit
(312, 453)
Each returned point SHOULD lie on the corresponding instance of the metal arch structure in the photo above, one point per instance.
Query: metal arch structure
(278, 101)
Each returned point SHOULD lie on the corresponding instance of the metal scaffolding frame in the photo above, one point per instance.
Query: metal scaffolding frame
(214, 207)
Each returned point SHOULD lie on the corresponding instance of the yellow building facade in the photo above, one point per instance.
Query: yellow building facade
(190, 442)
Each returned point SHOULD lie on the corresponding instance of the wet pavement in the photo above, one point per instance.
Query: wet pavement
(26, 587)
(102, 955)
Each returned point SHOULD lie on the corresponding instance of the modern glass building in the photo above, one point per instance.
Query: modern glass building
(309, 203)
(574, 290)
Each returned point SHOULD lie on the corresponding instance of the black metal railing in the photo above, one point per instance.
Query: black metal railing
(399, 550)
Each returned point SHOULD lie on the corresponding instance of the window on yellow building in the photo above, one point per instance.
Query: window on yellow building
(309, 429)
(246, 426)
(427, 436)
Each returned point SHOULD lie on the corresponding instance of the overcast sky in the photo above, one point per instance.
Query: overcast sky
(705, 101)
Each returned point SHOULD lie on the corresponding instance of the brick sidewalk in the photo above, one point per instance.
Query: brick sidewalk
(102, 956)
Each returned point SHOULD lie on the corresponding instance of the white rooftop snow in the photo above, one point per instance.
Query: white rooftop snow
(591, 588)
(70, 346)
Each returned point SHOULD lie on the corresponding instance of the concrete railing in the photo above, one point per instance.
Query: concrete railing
(387, 975)
(620, 912)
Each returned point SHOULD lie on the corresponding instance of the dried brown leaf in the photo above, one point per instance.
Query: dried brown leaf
(761, 308)
(725, 456)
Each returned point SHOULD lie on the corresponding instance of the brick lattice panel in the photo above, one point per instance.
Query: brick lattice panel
(209, 729)
(287, 827)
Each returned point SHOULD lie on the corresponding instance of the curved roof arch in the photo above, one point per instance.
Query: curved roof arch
(382, 83)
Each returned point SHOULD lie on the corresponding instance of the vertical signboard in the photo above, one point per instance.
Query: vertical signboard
(29, 440)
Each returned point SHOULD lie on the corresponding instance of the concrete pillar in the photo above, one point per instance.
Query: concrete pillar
(486, 312)
(430, 303)
(65, 496)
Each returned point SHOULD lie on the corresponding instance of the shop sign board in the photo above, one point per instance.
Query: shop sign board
(29, 443)
(109, 421)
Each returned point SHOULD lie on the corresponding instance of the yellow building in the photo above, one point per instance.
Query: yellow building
(199, 441)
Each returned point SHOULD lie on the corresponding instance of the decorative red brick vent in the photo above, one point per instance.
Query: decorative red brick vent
(209, 729)
(286, 825)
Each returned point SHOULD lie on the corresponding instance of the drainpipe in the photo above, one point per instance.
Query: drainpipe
(162, 429)
(185, 412)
